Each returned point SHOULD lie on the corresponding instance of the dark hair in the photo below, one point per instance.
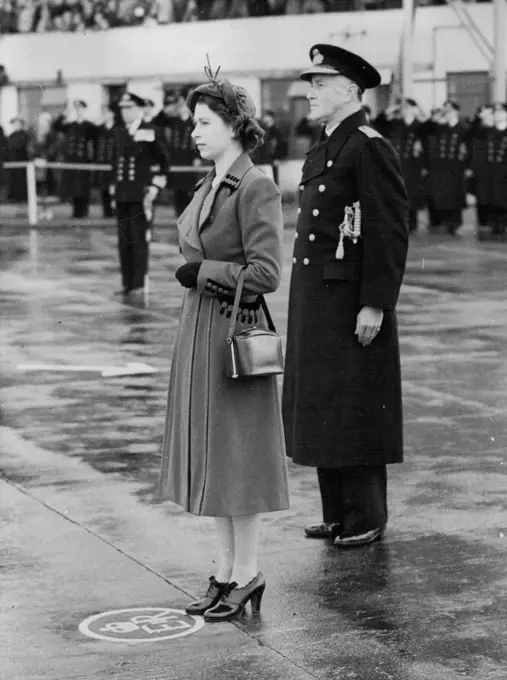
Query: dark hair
(244, 125)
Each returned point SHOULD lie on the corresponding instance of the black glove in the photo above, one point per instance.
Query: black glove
(187, 274)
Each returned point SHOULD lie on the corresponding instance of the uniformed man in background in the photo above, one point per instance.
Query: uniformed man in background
(140, 166)
(149, 110)
(342, 388)
(405, 132)
(481, 181)
(79, 147)
(446, 160)
(497, 157)
(178, 131)
(104, 149)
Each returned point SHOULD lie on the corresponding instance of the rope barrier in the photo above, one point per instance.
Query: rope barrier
(93, 166)
(40, 163)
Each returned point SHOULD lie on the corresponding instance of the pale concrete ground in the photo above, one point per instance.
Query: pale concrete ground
(82, 531)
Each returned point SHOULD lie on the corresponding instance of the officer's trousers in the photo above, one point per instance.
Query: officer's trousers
(354, 497)
(498, 220)
(107, 203)
(132, 244)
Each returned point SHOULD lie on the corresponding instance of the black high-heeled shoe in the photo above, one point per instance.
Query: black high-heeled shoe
(232, 603)
(213, 595)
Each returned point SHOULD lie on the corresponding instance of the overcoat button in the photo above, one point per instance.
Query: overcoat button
(301, 186)
(306, 261)
(322, 187)
(294, 260)
(315, 213)
(296, 235)
(299, 211)
(312, 237)
(329, 164)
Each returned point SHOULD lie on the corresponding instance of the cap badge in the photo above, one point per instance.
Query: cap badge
(317, 58)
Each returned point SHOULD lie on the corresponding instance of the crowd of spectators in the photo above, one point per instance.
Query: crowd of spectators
(40, 16)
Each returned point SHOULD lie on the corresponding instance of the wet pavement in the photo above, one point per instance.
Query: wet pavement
(84, 533)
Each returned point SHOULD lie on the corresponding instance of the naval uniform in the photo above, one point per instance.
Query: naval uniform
(183, 153)
(104, 155)
(446, 160)
(407, 142)
(342, 403)
(481, 168)
(497, 160)
(79, 147)
(140, 160)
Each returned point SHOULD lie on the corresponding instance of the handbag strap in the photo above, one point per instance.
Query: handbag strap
(235, 307)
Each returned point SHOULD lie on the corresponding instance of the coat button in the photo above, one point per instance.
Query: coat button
(294, 260)
(312, 237)
(322, 187)
(315, 212)
(329, 164)
(301, 187)
(306, 261)
(296, 235)
(299, 211)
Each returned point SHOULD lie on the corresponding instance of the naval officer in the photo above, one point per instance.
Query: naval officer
(342, 388)
(140, 166)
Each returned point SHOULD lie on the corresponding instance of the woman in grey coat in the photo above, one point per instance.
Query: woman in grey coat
(223, 453)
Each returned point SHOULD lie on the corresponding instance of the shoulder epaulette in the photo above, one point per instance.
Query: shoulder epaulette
(369, 132)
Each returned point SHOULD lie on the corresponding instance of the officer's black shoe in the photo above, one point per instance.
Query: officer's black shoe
(123, 291)
(323, 530)
(347, 540)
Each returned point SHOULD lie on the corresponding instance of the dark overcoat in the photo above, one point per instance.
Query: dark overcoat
(18, 144)
(446, 160)
(407, 142)
(104, 154)
(178, 134)
(480, 163)
(497, 160)
(224, 452)
(138, 160)
(342, 401)
(79, 147)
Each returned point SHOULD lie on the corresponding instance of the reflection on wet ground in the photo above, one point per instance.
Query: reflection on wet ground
(431, 600)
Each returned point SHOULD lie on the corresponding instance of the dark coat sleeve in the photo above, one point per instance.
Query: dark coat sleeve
(260, 221)
(384, 212)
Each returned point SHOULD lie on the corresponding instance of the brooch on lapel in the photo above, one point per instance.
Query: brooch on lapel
(231, 182)
(349, 228)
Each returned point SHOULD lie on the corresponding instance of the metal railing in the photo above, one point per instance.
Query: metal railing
(31, 180)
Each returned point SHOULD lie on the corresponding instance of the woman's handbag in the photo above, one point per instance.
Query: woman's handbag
(253, 352)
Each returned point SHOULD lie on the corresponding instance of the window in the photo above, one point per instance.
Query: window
(470, 89)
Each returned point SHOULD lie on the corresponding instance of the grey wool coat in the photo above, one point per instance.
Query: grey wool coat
(223, 451)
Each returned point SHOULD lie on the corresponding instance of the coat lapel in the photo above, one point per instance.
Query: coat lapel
(328, 149)
(188, 222)
(225, 189)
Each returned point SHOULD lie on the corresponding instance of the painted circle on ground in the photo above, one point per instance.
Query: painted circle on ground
(140, 624)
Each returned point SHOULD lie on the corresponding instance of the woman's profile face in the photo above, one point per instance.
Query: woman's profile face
(211, 134)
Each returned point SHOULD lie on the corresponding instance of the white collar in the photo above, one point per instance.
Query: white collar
(134, 126)
(329, 130)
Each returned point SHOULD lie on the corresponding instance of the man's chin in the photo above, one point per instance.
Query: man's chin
(315, 116)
